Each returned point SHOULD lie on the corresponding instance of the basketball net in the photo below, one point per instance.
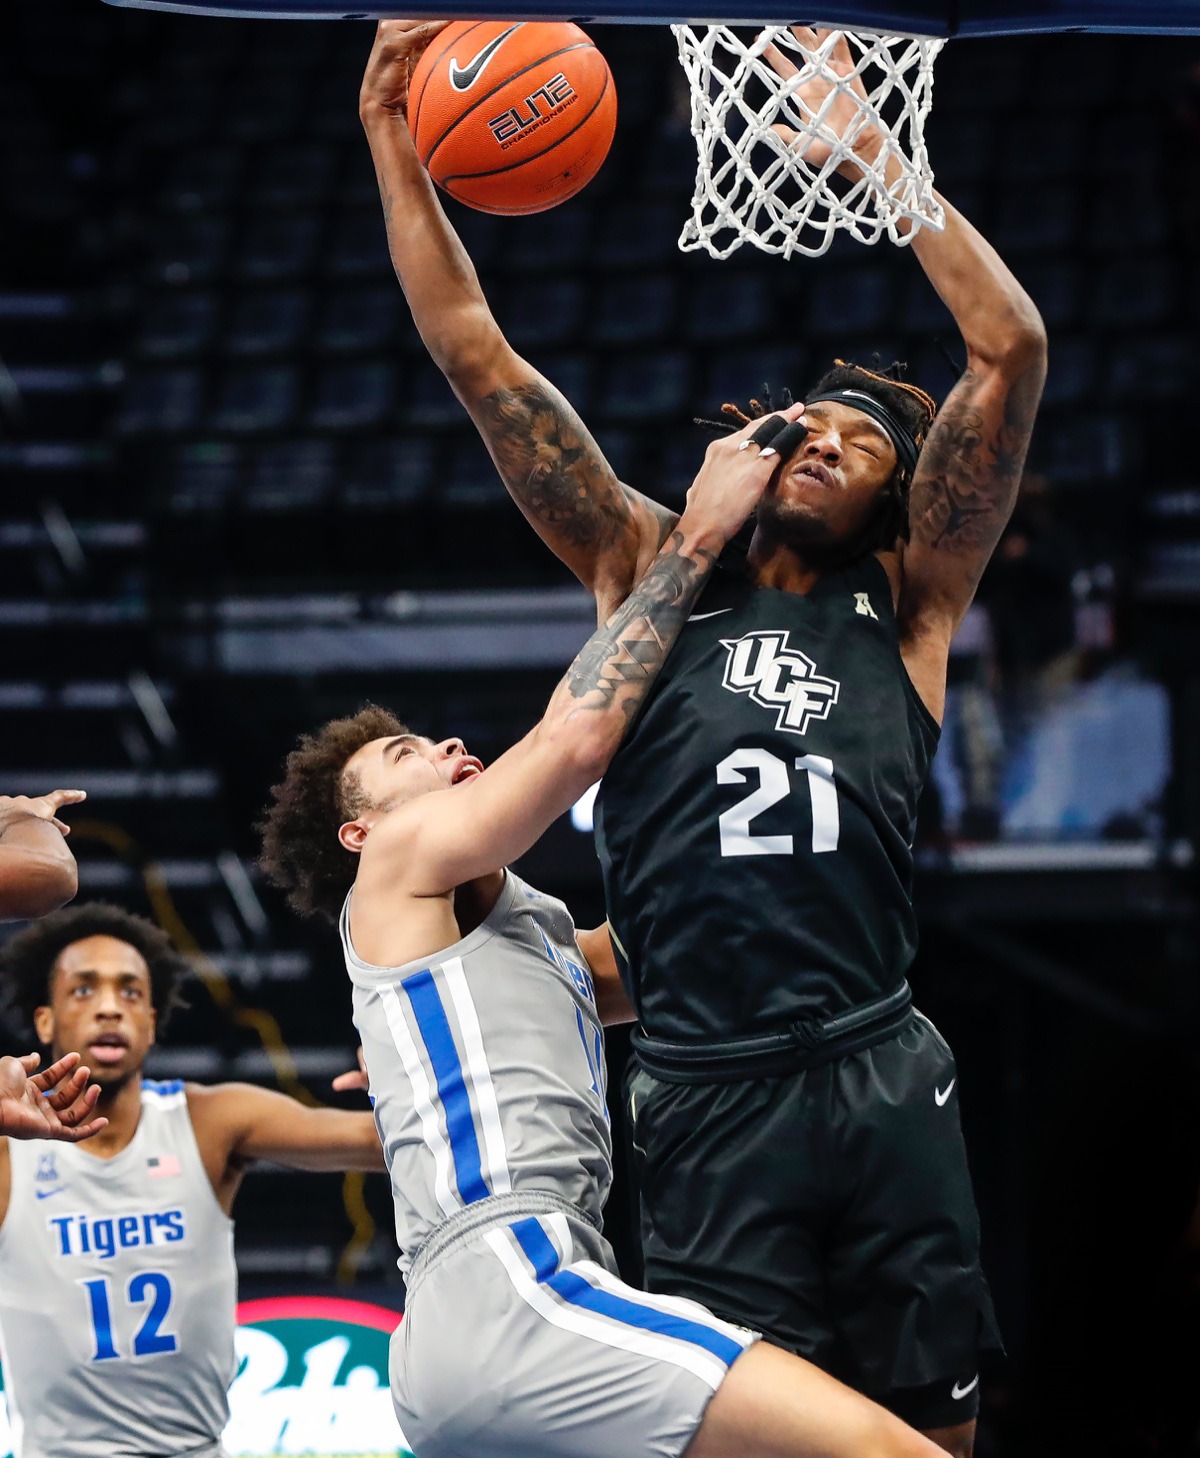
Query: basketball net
(755, 186)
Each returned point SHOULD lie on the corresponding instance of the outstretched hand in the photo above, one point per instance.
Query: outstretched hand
(399, 45)
(55, 1104)
(353, 1082)
(41, 807)
(844, 116)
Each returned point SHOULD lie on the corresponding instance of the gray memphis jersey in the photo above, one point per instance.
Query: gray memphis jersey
(486, 1066)
(117, 1295)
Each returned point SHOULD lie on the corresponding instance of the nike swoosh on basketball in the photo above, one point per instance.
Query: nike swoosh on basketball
(462, 78)
(958, 1393)
(940, 1095)
(699, 617)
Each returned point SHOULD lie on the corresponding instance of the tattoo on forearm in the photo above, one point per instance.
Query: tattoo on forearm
(620, 660)
(550, 464)
(966, 483)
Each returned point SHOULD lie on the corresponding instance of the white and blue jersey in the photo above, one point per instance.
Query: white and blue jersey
(117, 1294)
(486, 1066)
(486, 1069)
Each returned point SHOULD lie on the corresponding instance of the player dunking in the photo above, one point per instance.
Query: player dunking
(117, 1280)
(803, 1164)
(481, 1031)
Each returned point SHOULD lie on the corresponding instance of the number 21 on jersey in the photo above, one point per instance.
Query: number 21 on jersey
(774, 785)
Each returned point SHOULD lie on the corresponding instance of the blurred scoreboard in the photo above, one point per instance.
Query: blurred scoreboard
(312, 1378)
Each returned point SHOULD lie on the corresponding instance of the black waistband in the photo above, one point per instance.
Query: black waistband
(774, 1055)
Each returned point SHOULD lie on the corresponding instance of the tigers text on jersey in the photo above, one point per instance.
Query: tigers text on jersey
(755, 828)
(486, 1066)
(117, 1294)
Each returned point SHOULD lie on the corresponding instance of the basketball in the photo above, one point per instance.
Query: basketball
(512, 117)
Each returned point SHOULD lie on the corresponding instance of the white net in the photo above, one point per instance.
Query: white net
(777, 119)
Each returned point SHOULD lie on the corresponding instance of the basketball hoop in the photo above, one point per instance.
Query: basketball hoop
(783, 193)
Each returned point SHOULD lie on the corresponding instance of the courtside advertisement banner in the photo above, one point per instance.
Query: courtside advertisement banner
(312, 1379)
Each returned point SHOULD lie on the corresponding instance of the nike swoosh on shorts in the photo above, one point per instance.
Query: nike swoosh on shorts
(958, 1393)
(462, 78)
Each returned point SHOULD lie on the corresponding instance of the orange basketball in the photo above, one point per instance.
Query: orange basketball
(512, 117)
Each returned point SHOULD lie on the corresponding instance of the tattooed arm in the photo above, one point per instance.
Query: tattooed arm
(606, 533)
(966, 481)
(443, 839)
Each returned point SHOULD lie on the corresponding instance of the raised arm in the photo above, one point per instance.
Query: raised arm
(37, 871)
(606, 533)
(965, 485)
(438, 841)
(243, 1123)
(966, 481)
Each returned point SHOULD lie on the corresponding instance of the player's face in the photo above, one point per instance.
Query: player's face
(391, 771)
(827, 491)
(100, 1007)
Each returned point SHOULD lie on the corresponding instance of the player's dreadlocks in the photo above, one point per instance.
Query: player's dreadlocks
(910, 406)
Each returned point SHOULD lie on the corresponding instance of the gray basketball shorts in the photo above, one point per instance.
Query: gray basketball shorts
(522, 1341)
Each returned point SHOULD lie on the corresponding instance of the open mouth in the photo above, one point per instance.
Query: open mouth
(818, 473)
(107, 1048)
(467, 770)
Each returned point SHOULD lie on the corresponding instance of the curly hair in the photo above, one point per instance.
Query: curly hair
(914, 409)
(301, 853)
(27, 961)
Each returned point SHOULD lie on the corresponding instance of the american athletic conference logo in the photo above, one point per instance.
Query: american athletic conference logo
(780, 678)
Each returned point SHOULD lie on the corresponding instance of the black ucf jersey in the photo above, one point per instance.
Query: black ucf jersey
(755, 829)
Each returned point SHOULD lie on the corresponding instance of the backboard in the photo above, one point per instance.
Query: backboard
(899, 17)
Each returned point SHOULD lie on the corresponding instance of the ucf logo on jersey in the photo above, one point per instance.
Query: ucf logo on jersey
(780, 678)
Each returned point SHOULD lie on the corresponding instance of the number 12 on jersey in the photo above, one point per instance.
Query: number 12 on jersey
(151, 1340)
(774, 785)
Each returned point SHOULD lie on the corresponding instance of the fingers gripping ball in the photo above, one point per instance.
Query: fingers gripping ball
(512, 118)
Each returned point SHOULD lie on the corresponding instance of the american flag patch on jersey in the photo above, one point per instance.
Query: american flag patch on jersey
(160, 1166)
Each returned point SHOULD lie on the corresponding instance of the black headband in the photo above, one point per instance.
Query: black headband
(907, 450)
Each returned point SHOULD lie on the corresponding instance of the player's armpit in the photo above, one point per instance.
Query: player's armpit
(611, 1001)
(605, 532)
(259, 1123)
(961, 498)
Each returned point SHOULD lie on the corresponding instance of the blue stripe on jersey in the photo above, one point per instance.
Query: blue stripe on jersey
(536, 1244)
(434, 1027)
(577, 1292)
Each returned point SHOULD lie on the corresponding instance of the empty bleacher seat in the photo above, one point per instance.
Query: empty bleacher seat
(202, 178)
(850, 303)
(425, 399)
(160, 401)
(1054, 286)
(1156, 366)
(189, 248)
(362, 318)
(550, 242)
(268, 321)
(471, 480)
(735, 375)
(637, 307)
(1071, 378)
(1134, 293)
(293, 175)
(543, 312)
(387, 474)
(178, 324)
(293, 475)
(1038, 145)
(733, 304)
(639, 233)
(277, 247)
(1037, 219)
(203, 478)
(358, 246)
(647, 385)
(1083, 449)
(355, 396)
(256, 400)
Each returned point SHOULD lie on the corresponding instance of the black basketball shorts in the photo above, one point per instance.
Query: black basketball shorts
(832, 1211)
